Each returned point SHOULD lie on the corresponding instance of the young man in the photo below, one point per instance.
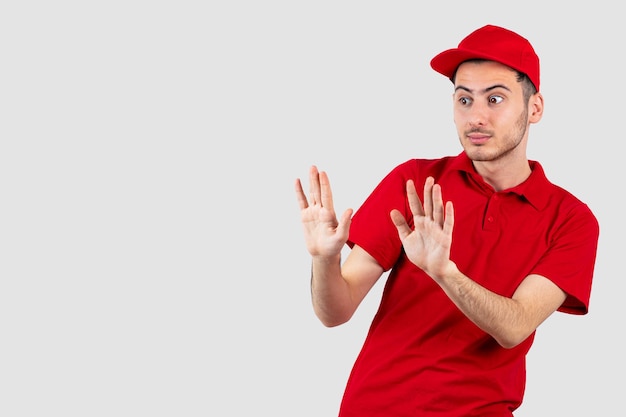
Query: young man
(479, 257)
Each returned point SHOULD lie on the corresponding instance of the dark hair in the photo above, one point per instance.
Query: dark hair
(528, 88)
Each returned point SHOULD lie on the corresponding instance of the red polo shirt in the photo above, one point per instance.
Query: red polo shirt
(422, 356)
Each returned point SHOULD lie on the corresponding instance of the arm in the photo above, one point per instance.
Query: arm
(336, 290)
(508, 320)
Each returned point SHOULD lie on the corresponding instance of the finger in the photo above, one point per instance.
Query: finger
(343, 228)
(300, 196)
(428, 197)
(437, 204)
(414, 201)
(448, 225)
(400, 222)
(314, 185)
(326, 193)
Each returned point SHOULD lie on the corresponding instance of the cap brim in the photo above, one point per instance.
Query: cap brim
(448, 61)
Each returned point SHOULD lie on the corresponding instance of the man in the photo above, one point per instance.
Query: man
(478, 258)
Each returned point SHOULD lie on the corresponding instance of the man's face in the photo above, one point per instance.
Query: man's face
(490, 113)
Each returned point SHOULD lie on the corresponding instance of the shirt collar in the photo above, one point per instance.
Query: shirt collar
(535, 190)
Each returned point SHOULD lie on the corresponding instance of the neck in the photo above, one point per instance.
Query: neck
(502, 175)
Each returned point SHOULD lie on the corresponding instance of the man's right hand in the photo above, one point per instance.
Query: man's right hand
(324, 235)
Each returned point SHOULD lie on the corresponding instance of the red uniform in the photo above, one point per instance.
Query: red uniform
(422, 356)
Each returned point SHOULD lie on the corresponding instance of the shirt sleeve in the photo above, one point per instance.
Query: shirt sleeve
(571, 259)
(372, 228)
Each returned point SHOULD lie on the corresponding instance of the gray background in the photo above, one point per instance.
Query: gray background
(151, 257)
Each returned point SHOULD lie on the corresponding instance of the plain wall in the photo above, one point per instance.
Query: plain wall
(152, 261)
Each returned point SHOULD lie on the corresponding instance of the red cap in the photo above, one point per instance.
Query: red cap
(494, 44)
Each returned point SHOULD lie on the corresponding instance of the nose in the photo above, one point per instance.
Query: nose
(477, 115)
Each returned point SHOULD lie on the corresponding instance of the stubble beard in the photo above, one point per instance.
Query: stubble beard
(512, 139)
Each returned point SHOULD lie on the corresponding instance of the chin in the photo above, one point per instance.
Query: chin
(478, 154)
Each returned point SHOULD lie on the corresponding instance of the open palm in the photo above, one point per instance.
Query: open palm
(323, 233)
(428, 244)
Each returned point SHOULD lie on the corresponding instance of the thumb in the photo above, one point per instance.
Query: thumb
(344, 222)
(400, 222)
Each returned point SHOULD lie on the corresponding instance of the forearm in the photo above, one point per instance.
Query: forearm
(504, 318)
(330, 292)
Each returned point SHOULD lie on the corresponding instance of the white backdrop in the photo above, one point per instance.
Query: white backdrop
(151, 257)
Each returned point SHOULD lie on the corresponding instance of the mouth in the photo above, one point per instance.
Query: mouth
(477, 138)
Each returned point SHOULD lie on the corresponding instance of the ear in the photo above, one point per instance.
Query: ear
(535, 108)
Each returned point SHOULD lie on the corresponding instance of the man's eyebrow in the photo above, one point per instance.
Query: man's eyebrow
(486, 90)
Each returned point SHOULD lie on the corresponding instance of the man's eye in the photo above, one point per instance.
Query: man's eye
(464, 100)
(495, 99)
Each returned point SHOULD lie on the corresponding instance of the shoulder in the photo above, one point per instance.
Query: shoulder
(544, 194)
(573, 208)
(425, 166)
(567, 211)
